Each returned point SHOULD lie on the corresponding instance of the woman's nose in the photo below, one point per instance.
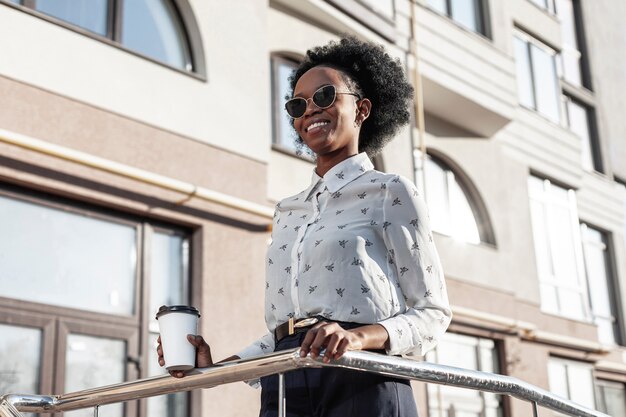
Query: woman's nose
(311, 107)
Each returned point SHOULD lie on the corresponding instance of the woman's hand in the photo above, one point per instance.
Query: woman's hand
(203, 354)
(337, 341)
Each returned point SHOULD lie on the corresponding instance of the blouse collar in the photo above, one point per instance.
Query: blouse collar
(341, 174)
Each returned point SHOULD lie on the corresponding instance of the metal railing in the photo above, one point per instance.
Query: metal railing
(11, 405)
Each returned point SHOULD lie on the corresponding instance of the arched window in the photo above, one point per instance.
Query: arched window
(454, 205)
(163, 30)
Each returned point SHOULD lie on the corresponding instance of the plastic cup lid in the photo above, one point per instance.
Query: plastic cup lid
(177, 309)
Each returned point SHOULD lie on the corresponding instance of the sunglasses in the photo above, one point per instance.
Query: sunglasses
(323, 97)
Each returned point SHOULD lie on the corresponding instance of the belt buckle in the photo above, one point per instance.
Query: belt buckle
(306, 322)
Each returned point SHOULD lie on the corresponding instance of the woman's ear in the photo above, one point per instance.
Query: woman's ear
(364, 108)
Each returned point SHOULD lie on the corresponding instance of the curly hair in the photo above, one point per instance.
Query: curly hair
(372, 73)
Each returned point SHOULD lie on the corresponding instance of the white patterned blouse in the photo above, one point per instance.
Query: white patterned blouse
(356, 246)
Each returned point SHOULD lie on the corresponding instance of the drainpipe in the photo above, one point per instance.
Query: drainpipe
(418, 99)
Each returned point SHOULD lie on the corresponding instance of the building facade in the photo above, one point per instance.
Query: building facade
(119, 118)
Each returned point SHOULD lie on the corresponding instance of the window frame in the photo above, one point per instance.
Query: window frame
(366, 15)
(276, 110)
(547, 201)
(499, 361)
(58, 321)
(483, 15)
(550, 7)
(567, 363)
(530, 40)
(484, 225)
(579, 32)
(613, 285)
(184, 14)
(592, 125)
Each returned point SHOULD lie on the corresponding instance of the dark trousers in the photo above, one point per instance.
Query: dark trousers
(328, 392)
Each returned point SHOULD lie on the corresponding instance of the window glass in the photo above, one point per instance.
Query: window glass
(464, 223)
(101, 279)
(572, 380)
(578, 122)
(599, 282)
(546, 89)
(545, 4)
(439, 5)
(449, 207)
(385, 7)
(470, 353)
(580, 382)
(558, 249)
(168, 286)
(467, 13)
(537, 82)
(88, 14)
(570, 55)
(94, 362)
(20, 359)
(153, 28)
(611, 398)
(524, 73)
(284, 134)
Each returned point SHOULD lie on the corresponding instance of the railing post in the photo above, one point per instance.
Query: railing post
(95, 411)
(535, 409)
(282, 401)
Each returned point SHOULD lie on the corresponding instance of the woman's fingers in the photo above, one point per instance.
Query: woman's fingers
(331, 347)
(342, 348)
(305, 346)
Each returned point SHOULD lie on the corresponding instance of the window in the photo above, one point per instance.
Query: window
(602, 287)
(470, 14)
(76, 318)
(558, 251)
(470, 353)
(384, 7)
(377, 15)
(572, 380)
(571, 57)
(284, 136)
(153, 28)
(451, 211)
(537, 83)
(581, 120)
(545, 4)
(611, 397)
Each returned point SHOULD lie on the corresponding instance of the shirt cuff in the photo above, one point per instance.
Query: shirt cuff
(400, 336)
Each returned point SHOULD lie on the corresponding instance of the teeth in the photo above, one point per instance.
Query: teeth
(316, 124)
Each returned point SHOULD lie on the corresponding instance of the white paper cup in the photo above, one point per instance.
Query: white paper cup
(175, 323)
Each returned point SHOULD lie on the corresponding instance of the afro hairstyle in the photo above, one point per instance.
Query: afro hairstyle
(372, 73)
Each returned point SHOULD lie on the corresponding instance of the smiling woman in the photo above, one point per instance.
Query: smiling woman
(352, 264)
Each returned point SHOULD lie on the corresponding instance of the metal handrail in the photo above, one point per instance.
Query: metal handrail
(280, 362)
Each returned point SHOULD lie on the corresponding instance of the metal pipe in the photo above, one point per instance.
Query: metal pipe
(282, 400)
(284, 361)
(102, 164)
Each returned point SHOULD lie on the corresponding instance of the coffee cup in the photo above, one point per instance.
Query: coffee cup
(175, 323)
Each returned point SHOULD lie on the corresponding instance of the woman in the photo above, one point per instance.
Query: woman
(352, 264)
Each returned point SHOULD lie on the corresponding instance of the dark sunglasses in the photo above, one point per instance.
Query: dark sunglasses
(323, 97)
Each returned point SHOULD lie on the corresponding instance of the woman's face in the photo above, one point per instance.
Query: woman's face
(331, 130)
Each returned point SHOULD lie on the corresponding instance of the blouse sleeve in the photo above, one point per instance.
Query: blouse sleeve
(259, 347)
(418, 268)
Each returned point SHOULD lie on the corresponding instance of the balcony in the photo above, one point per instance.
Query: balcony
(466, 80)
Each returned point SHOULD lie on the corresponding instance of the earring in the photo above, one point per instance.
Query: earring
(357, 123)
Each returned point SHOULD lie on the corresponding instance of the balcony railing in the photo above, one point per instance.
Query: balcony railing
(11, 405)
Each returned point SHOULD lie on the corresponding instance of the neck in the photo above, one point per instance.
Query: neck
(327, 161)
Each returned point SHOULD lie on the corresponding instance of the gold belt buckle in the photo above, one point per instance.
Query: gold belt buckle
(302, 323)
